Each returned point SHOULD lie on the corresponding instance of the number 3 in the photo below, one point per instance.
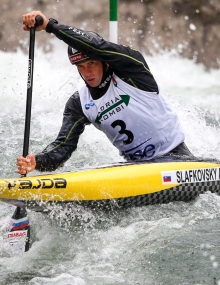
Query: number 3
(123, 130)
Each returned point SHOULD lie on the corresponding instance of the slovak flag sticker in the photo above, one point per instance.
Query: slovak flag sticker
(167, 178)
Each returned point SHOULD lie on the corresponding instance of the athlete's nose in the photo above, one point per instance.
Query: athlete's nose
(87, 71)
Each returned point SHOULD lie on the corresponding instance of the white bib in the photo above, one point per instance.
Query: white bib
(137, 122)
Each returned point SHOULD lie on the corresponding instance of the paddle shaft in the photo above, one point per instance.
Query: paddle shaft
(20, 213)
(39, 21)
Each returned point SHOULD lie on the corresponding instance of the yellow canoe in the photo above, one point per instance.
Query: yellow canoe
(123, 184)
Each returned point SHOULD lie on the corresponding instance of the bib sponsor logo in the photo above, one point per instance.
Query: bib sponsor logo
(191, 176)
(90, 104)
(111, 108)
(147, 152)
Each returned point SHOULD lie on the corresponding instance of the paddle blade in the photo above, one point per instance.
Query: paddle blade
(19, 232)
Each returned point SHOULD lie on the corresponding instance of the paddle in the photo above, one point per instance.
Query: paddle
(19, 235)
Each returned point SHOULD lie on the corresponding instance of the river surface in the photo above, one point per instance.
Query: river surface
(170, 244)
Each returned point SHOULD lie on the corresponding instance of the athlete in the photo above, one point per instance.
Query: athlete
(120, 97)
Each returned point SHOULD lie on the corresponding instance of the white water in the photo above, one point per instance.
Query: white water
(171, 244)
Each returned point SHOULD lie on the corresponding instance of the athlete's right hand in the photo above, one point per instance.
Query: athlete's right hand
(29, 21)
(26, 164)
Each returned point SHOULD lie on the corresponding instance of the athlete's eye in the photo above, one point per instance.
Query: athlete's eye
(80, 67)
(91, 62)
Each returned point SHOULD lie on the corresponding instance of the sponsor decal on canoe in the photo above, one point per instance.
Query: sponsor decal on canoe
(190, 175)
(17, 241)
(37, 183)
(29, 80)
(17, 234)
(19, 224)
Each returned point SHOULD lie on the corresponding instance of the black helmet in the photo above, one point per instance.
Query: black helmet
(76, 56)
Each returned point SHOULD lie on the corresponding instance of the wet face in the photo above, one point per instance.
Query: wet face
(91, 71)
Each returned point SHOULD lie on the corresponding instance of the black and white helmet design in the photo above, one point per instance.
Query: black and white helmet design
(76, 56)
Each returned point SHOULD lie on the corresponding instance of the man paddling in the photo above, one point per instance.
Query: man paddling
(120, 97)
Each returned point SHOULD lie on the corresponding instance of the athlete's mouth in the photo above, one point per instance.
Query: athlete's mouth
(91, 81)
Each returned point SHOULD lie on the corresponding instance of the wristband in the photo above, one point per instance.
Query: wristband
(50, 24)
